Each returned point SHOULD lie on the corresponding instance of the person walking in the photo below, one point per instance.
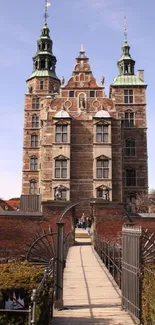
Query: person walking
(88, 223)
(83, 221)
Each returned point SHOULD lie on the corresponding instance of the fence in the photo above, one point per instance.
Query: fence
(111, 255)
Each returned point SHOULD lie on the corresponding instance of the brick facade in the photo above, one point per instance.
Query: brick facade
(79, 142)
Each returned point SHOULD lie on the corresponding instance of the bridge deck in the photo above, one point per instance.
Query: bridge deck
(90, 294)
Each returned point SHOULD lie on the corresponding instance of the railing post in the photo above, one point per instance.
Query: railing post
(59, 266)
(34, 300)
(30, 314)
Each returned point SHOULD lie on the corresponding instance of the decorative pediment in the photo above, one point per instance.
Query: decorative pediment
(103, 187)
(103, 157)
(102, 122)
(61, 157)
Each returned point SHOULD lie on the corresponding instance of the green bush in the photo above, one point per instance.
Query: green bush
(148, 308)
(25, 276)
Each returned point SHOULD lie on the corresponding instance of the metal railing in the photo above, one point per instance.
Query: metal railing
(44, 294)
(111, 255)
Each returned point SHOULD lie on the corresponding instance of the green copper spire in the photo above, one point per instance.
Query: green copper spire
(126, 63)
(44, 62)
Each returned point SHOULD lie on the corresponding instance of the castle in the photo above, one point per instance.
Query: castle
(79, 143)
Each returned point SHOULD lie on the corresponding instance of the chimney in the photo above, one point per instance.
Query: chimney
(140, 74)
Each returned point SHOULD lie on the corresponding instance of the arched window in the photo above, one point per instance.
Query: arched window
(102, 133)
(35, 121)
(34, 140)
(41, 84)
(33, 189)
(102, 168)
(130, 147)
(33, 163)
(130, 177)
(35, 103)
(82, 101)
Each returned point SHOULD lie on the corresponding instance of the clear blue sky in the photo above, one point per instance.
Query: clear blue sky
(98, 24)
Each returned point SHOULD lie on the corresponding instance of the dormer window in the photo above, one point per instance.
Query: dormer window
(128, 96)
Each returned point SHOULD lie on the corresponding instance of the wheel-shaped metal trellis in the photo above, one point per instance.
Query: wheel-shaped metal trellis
(148, 247)
(43, 249)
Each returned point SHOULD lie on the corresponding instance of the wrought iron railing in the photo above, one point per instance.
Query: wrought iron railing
(111, 255)
(43, 295)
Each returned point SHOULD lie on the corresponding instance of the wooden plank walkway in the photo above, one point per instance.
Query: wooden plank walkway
(90, 294)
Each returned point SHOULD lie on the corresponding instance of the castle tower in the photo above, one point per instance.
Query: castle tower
(129, 93)
(42, 82)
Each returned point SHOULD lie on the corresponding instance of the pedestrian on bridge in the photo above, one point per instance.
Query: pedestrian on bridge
(88, 224)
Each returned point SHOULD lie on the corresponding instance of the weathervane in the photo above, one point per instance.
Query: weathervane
(125, 29)
(47, 4)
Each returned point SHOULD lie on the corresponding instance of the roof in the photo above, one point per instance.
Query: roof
(129, 80)
(10, 205)
(62, 114)
(43, 73)
(102, 114)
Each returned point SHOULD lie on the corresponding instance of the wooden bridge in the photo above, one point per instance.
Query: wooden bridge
(90, 295)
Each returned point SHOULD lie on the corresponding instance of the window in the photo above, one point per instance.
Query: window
(61, 133)
(33, 187)
(35, 121)
(102, 168)
(35, 103)
(128, 96)
(102, 133)
(33, 163)
(92, 93)
(129, 119)
(130, 177)
(71, 93)
(41, 85)
(34, 140)
(61, 168)
(130, 147)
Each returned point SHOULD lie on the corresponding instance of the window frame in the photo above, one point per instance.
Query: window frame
(35, 121)
(60, 168)
(103, 170)
(41, 84)
(128, 96)
(33, 190)
(35, 103)
(62, 134)
(129, 122)
(35, 141)
(71, 92)
(102, 134)
(130, 181)
(33, 163)
(130, 150)
(92, 92)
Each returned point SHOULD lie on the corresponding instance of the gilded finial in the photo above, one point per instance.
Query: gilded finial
(125, 29)
(47, 4)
